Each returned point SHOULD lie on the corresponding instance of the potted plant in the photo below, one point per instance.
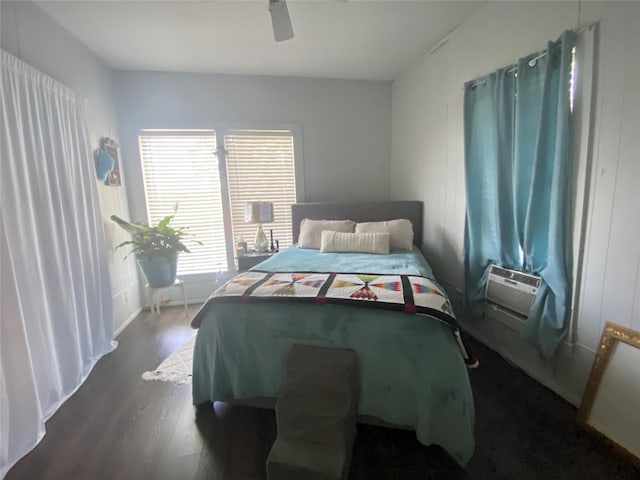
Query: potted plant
(156, 248)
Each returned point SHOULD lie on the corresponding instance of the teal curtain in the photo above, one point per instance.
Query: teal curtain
(517, 159)
(490, 233)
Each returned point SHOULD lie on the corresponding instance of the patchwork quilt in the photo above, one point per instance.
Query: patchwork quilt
(411, 294)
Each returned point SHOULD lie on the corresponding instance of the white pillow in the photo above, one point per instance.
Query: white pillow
(355, 242)
(311, 230)
(401, 231)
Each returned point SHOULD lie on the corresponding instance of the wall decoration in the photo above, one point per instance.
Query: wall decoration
(104, 164)
(110, 146)
(611, 398)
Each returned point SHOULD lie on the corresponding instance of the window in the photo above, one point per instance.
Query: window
(206, 179)
(260, 167)
(181, 175)
(518, 167)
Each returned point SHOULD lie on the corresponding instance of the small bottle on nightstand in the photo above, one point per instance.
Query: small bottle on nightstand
(241, 245)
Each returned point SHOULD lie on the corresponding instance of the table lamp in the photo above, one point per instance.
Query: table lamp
(259, 212)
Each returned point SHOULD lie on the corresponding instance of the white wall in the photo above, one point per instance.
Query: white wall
(28, 33)
(346, 124)
(346, 130)
(428, 164)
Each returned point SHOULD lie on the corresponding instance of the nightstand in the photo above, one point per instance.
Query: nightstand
(249, 259)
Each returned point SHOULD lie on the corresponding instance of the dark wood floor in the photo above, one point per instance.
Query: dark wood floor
(118, 426)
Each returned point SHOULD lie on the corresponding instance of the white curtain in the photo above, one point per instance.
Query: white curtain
(56, 315)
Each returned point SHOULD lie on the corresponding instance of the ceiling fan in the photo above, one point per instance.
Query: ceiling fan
(282, 29)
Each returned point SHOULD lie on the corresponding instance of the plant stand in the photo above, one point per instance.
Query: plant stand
(154, 300)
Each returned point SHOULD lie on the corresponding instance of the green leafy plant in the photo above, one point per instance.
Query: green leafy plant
(148, 241)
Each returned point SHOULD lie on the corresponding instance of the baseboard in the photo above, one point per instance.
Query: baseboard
(495, 313)
(126, 323)
(125, 289)
(572, 361)
(571, 397)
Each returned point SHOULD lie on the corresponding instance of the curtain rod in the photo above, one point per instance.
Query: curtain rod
(533, 61)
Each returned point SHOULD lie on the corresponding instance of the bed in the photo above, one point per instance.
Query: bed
(412, 372)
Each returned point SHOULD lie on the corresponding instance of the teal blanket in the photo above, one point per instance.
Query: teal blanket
(411, 371)
(294, 259)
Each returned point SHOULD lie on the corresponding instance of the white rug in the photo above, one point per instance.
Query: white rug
(176, 367)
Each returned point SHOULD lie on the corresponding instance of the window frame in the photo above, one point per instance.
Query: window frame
(150, 169)
(583, 179)
(220, 129)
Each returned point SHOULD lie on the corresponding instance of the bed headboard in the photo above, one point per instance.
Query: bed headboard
(359, 212)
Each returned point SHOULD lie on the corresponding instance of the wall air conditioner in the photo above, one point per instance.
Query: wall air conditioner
(511, 289)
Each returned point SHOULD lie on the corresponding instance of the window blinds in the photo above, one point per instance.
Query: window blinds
(260, 168)
(180, 169)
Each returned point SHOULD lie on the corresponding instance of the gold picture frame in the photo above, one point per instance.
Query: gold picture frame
(627, 407)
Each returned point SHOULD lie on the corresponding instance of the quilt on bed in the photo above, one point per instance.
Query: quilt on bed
(408, 293)
(411, 370)
(411, 294)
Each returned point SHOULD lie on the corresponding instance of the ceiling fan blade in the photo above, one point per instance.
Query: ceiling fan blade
(282, 29)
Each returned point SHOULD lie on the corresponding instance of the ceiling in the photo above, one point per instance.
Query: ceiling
(362, 39)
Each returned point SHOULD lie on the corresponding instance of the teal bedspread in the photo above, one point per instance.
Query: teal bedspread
(294, 259)
(411, 370)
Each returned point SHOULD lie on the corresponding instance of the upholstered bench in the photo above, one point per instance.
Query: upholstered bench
(315, 415)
